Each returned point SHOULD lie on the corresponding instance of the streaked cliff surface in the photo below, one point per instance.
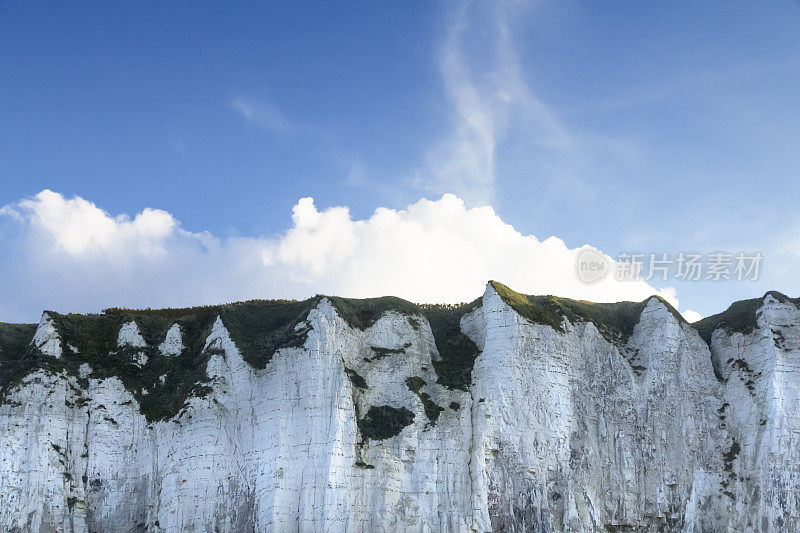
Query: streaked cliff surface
(511, 413)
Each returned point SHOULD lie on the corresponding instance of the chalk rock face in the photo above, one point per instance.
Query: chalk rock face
(173, 343)
(46, 338)
(761, 393)
(575, 437)
(129, 335)
(379, 415)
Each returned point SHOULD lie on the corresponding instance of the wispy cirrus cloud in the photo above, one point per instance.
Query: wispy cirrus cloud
(490, 100)
(263, 114)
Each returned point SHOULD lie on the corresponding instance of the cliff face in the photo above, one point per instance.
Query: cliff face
(507, 414)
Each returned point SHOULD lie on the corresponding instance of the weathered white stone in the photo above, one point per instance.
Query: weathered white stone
(761, 372)
(559, 431)
(173, 343)
(46, 337)
(129, 335)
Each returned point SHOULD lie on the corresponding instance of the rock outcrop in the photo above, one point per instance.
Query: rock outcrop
(512, 413)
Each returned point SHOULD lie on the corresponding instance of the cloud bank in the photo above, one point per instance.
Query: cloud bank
(68, 254)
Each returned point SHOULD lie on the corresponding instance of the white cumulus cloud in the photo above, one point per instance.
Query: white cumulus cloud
(70, 255)
(77, 227)
(692, 316)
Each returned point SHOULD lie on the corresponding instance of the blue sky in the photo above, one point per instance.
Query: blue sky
(628, 126)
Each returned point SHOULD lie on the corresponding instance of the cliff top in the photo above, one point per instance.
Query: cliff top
(162, 383)
(740, 317)
(615, 321)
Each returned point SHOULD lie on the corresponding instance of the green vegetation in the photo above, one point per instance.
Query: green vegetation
(95, 340)
(258, 328)
(415, 384)
(17, 357)
(730, 456)
(614, 321)
(384, 421)
(14, 339)
(432, 410)
(746, 374)
(457, 351)
(740, 317)
(362, 313)
(72, 500)
(380, 353)
(356, 379)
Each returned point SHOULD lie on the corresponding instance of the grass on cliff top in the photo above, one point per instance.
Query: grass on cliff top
(17, 358)
(363, 313)
(740, 317)
(615, 321)
(457, 352)
(258, 328)
(15, 338)
(94, 338)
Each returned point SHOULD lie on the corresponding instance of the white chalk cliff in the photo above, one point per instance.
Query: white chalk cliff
(354, 424)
